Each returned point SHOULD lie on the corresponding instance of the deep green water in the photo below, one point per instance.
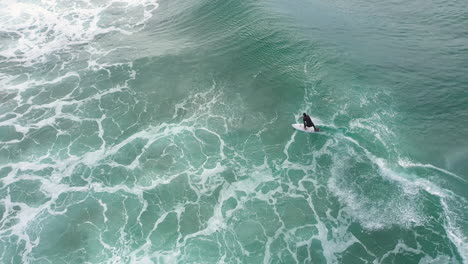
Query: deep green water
(149, 132)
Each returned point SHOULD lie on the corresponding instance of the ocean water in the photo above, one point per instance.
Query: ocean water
(151, 131)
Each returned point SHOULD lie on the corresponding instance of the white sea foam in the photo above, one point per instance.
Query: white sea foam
(40, 28)
(406, 214)
(408, 164)
(41, 32)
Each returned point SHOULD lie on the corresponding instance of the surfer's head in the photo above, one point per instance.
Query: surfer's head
(304, 114)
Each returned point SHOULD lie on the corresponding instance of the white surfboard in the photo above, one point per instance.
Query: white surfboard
(301, 128)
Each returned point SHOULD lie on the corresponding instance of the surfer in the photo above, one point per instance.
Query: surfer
(308, 122)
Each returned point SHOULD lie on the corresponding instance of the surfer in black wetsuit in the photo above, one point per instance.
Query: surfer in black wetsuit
(308, 122)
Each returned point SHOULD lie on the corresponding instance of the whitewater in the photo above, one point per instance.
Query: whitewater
(151, 131)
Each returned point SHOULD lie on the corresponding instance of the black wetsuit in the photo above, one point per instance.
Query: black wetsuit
(308, 122)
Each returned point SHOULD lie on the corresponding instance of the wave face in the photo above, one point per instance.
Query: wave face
(160, 132)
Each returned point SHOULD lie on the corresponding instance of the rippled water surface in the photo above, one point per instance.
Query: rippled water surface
(160, 132)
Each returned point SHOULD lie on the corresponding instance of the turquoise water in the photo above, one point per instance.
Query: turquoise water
(160, 132)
